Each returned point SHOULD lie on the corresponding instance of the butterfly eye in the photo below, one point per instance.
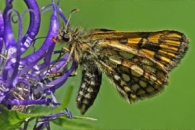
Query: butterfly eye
(66, 37)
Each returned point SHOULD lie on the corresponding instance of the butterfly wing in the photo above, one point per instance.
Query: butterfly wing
(134, 75)
(137, 63)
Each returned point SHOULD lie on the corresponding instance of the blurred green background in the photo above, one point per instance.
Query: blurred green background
(175, 107)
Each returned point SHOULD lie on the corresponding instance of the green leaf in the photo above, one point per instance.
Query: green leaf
(84, 118)
(10, 120)
(72, 124)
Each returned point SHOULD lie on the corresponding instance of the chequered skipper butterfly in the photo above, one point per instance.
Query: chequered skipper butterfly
(137, 63)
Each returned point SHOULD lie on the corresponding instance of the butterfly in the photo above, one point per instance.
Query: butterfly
(137, 63)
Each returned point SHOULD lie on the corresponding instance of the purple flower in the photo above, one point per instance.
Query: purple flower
(23, 79)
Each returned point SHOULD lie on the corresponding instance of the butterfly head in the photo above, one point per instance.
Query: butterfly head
(65, 35)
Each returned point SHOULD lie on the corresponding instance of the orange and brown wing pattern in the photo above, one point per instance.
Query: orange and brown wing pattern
(167, 47)
(138, 63)
(134, 75)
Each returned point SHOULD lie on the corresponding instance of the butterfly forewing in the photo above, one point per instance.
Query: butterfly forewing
(166, 47)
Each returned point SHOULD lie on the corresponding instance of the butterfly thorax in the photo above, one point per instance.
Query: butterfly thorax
(77, 41)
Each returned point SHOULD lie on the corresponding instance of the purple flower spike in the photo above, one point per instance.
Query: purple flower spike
(35, 20)
(1, 25)
(24, 79)
(44, 121)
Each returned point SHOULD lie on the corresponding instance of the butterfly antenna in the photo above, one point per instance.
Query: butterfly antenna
(73, 11)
